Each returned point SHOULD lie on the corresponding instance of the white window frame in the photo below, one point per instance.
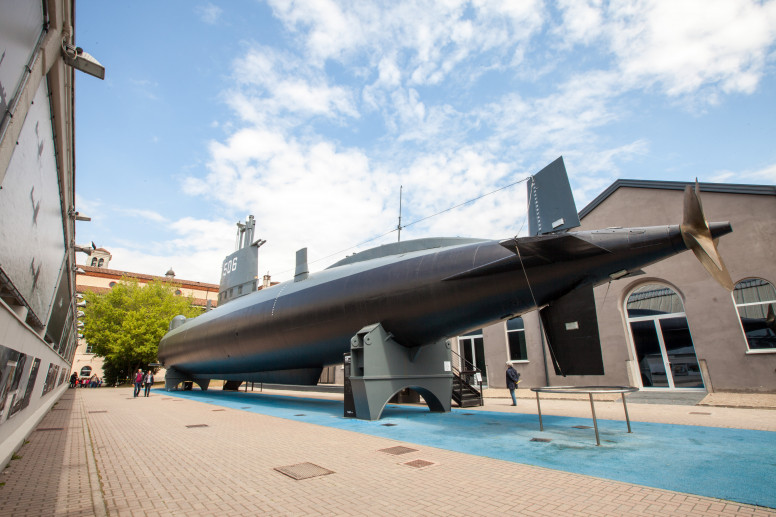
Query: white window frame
(751, 351)
(506, 334)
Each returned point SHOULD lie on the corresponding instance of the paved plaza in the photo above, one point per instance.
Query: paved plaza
(103, 452)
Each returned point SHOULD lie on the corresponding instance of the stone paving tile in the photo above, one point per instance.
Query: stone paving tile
(139, 458)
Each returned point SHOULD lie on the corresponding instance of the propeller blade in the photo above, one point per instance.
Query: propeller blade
(697, 237)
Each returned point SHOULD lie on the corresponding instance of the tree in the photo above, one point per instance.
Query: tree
(125, 324)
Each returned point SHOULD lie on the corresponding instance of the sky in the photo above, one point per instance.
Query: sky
(314, 115)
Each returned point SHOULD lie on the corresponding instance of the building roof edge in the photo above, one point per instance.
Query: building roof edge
(724, 188)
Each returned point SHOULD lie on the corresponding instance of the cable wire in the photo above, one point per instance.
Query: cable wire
(413, 222)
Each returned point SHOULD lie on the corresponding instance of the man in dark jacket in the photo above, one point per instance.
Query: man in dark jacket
(512, 379)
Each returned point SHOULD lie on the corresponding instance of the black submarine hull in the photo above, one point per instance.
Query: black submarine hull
(419, 296)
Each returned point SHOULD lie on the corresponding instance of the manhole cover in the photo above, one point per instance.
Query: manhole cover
(219, 410)
(398, 450)
(543, 440)
(50, 429)
(303, 471)
(196, 425)
(389, 425)
(699, 413)
(100, 411)
(300, 414)
(245, 407)
(419, 464)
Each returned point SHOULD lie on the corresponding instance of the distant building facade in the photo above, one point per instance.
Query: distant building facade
(99, 278)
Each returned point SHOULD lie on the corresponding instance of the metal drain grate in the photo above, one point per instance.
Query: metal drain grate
(300, 414)
(543, 440)
(219, 410)
(100, 411)
(196, 425)
(699, 413)
(398, 450)
(303, 471)
(389, 425)
(50, 429)
(419, 464)
(581, 427)
(245, 407)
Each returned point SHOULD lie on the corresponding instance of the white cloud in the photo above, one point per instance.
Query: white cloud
(296, 189)
(581, 21)
(766, 175)
(209, 13)
(425, 42)
(149, 215)
(278, 83)
(686, 46)
(195, 251)
(399, 65)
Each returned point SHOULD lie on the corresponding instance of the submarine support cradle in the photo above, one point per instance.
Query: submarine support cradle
(381, 367)
(173, 377)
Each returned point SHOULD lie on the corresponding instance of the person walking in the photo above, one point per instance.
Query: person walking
(73, 380)
(513, 378)
(138, 381)
(148, 380)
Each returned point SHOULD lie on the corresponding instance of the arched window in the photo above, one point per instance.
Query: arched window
(101, 262)
(111, 284)
(86, 371)
(756, 305)
(661, 338)
(516, 339)
(94, 261)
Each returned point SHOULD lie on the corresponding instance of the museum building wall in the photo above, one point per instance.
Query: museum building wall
(37, 215)
(726, 358)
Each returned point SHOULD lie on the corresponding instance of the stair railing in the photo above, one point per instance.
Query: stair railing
(470, 376)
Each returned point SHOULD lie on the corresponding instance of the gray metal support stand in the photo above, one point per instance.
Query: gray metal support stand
(173, 377)
(381, 367)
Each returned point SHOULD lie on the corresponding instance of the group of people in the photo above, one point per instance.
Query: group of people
(143, 380)
(86, 382)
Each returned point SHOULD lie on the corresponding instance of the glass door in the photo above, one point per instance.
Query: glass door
(661, 338)
(680, 353)
(472, 349)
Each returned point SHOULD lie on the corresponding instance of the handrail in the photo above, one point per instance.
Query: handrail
(622, 390)
(471, 372)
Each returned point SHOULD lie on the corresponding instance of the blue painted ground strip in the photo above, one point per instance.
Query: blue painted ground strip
(734, 464)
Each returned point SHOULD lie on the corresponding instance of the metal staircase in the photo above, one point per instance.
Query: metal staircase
(467, 383)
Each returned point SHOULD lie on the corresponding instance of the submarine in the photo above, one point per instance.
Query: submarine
(425, 291)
